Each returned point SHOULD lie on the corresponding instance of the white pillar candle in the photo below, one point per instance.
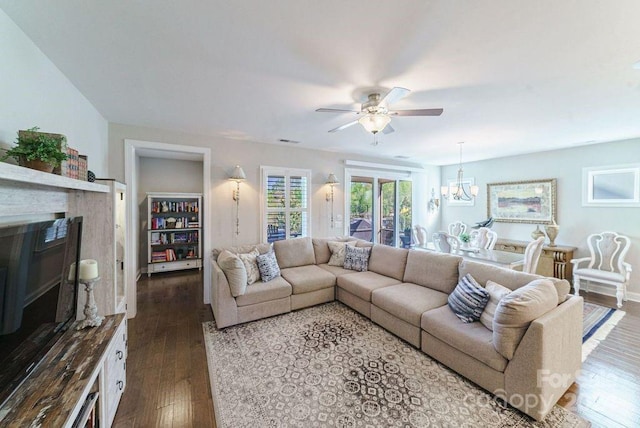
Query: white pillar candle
(88, 269)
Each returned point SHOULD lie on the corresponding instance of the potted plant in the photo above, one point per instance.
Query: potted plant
(465, 238)
(38, 150)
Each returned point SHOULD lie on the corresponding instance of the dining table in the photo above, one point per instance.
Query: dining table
(492, 257)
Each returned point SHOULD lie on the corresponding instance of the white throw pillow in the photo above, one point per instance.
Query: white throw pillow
(235, 272)
(338, 252)
(496, 293)
(251, 265)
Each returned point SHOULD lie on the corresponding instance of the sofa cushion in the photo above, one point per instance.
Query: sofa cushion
(361, 284)
(357, 258)
(268, 265)
(261, 292)
(338, 251)
(408, 301)
(235, 272)
(336, 270)
(468, 299)
(321, 249)
(517, 309)
(434, 270)
(472, 339)
(496, 293)
(304, 279)
(510, 278)
(388, 261)
(294, 252)
(262, 249)
(251, 265)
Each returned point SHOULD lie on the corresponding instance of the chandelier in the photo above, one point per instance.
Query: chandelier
(457, 190)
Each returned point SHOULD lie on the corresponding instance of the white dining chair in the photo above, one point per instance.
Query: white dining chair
(605, 264)
(531, 256)
(420, 235)
(457, 228)
(445, 243)
(483, 237)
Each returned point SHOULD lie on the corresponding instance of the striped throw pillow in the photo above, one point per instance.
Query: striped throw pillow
(468, 299)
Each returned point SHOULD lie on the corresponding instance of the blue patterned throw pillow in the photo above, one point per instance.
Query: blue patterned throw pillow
(357, 258)
(268, 266)
(468, 299)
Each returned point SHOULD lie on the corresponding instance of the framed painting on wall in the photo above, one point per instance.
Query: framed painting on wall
(611, 186)
(522, 201)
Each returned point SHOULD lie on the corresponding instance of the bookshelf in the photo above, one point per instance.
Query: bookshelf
(174, 232)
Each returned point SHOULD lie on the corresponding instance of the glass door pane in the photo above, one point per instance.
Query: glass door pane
(361, 212)
(388, 235)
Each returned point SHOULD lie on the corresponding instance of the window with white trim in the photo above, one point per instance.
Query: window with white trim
(286, 203)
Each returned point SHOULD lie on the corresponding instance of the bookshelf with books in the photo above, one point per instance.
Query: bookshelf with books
(174, 231)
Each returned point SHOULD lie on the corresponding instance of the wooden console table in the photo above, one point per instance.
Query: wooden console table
(80, 363)
(554, 261)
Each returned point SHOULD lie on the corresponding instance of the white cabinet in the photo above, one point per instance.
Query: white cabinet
(104, 235)
(114, 375)
(174, 231)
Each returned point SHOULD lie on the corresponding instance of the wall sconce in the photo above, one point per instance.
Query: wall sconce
(238, 176)
(331, 181)
(434, 203)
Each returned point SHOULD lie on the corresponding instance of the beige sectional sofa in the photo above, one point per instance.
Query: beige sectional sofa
(406, 291)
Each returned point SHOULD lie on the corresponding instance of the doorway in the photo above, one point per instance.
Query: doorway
(134, 150)
(380, 207)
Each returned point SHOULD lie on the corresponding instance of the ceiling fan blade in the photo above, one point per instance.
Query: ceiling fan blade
(418, 112)
(394, 95)
(388, 129)
(336, 110)
(346, 125)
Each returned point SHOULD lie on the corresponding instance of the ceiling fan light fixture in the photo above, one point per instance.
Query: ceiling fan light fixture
(374, 122)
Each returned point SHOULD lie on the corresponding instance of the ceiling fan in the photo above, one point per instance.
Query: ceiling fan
(375, 113)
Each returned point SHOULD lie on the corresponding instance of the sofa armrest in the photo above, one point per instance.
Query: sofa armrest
(223, 304)
(547, 360)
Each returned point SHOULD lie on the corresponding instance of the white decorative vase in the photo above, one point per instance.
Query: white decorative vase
(552, 232)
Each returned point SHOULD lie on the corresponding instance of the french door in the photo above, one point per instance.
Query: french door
(379, 207)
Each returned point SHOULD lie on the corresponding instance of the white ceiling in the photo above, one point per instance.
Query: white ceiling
(512, 76)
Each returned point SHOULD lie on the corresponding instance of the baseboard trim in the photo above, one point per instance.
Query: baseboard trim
(609, 291)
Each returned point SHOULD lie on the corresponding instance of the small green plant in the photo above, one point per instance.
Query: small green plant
(33, 145)
(465, 237)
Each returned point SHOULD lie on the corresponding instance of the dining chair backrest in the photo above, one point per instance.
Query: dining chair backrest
(532, 255)
(483, 237)
(420, 235)
(445, 243)
(608, 250)
(457, 228)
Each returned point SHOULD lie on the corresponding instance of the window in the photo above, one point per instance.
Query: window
(286, 204)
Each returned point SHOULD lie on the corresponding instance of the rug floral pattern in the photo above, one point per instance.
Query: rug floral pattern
(329, 366)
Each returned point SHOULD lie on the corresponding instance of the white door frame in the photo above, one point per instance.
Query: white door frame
(132, 152)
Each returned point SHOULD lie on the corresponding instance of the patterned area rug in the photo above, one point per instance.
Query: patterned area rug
(330, 366)
(597, 323)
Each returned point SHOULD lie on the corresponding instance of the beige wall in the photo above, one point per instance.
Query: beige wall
(35, 93)
(227, 153)
(576, 222)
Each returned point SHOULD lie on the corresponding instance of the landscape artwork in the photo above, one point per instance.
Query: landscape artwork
(522, 201)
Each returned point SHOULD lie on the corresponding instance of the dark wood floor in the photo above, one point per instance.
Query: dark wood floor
(168, 382)
(167, 377)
